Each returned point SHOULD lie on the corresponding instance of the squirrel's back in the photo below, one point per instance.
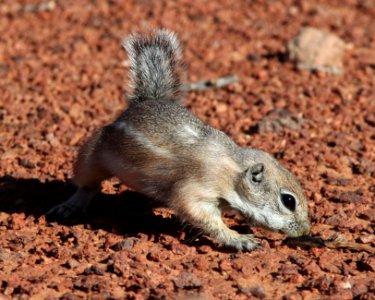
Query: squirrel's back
(155, 66)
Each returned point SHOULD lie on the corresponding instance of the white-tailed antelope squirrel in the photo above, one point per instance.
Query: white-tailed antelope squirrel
(162, 150)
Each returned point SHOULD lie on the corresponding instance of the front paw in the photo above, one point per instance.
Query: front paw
(244, 242)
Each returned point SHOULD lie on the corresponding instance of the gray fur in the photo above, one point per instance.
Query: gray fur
(162, 150)
(155, 61)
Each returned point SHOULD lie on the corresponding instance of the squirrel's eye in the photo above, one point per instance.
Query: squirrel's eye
(289, 201)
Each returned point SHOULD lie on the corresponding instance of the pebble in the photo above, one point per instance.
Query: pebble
(315, 49)
(187, 280)
(125, 244)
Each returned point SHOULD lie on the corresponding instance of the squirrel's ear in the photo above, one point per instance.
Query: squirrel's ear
(255, 173)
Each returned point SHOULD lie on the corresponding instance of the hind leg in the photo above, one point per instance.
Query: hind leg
(89, 172)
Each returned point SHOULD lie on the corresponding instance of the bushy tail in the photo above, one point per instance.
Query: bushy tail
(155, 66)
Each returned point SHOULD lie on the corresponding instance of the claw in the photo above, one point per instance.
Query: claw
(62, 210)
(245, 242)
(75, 204)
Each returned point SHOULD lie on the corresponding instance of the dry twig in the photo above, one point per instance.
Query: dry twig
(336, 241)
(49, 5)
(209, 84)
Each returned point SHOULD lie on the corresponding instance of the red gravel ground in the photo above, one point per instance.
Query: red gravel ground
(63, 73)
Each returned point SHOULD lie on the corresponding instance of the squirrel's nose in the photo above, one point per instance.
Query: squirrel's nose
(306, 228)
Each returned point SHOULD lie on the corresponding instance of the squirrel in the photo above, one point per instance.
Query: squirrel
(160, 149)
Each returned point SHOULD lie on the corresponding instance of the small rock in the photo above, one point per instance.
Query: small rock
(338, 181)
(153, 256)
(27, 164)
(69, 296)
(204, 249)
(288, 269)
(330, 263)
(364, 166)
(85, 284)
(276, 120)
(338, 220)
(93, 270)
(13, 280)
(323, 283)
(258, 292)
(370, 119)
(343, 284)
(359, 289)
(251, 290)
(366, 265)
(75, 111)
(17, 221)
(314, 49)
(53, 140)
(201, 263)
(351, 197)
(119, 263)
(71, 264)
(221, 108)
(368, 214)
(187, 280)
(298, 260)
(125, 244)
(225, 266)
(367, 239)
(178, 248)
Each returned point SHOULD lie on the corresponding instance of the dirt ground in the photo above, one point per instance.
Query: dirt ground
(63, 73)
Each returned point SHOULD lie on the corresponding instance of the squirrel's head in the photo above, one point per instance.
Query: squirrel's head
(271, 196)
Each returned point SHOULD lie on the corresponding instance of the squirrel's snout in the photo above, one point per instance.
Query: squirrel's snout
(298, 230)
(306, 228)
